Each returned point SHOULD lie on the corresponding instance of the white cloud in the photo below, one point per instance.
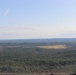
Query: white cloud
(18, 32)
(9, 32)
(6, 12)
(0, 14)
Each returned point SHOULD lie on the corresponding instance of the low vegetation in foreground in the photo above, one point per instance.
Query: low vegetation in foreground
(53, 57)
(37, 73)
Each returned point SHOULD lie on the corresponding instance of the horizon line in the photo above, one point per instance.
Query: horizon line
(36, 38)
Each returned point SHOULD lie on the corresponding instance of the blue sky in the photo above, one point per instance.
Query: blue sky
(26, 19)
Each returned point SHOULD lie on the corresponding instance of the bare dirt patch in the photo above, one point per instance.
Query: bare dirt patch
(54, 47)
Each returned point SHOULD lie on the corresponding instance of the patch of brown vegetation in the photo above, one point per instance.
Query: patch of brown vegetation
(54, 47)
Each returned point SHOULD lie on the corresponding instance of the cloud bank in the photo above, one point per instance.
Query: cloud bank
(27, 32)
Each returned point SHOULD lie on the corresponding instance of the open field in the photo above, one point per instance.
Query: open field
(54, 47)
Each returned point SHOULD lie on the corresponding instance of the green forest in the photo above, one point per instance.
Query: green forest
(29, 58)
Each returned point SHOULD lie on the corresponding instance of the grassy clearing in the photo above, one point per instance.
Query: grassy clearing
(54, 47)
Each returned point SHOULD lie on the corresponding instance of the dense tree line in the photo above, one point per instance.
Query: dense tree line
(27, 57)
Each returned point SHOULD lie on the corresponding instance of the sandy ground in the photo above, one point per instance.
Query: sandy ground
(54, 47)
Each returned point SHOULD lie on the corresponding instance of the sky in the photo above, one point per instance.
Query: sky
(33, 19)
